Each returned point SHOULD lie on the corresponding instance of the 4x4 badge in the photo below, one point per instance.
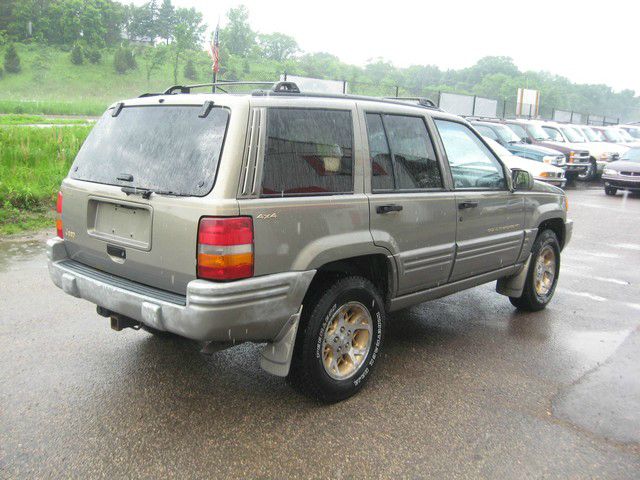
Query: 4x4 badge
(267, 216)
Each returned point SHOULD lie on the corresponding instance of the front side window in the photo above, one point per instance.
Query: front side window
(472, 163)
(487, 132)
(591, 135)
(402, 154)
(538, 133)
(518, 130)
(308, 152)
(573, 135)
(555, 135)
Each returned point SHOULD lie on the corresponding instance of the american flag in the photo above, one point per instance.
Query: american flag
(214, 50)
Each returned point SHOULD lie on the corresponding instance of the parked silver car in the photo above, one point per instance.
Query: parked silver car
(295, 220)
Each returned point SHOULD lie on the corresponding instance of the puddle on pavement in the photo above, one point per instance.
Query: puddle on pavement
(12, 252)
(596, 346)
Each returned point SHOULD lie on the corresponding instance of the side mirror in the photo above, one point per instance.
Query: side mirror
(527, 140)
(521, 179)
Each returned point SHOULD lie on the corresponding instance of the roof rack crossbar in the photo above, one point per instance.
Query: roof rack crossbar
(188, 88)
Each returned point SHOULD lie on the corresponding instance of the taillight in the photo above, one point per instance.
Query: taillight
(59, 215)
(225, 248)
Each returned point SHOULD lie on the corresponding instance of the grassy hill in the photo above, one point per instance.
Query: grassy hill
(50, 84)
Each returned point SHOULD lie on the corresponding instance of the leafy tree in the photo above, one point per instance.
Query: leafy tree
(6, 14)
(154, 58)
(77, 55)
(190, 70)
(277, 46)
(237, 35)
(11, 59)
(64, 22)
(166, 21)
(187, 35)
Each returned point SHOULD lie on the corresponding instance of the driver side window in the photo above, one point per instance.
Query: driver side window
(472, 163)
(555, 135)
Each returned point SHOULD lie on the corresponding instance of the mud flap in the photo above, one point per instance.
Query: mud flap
(513, 285)
(276, 356)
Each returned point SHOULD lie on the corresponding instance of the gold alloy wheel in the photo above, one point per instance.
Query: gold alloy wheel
(545, 271)
(347, 340)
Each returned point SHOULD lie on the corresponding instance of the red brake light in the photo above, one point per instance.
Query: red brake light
(59, 215)
(225, 248)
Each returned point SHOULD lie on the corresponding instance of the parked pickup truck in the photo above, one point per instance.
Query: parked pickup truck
(506, 137)
(531, 131)
(295, 220)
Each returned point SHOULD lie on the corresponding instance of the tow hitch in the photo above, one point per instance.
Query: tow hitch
(118, 322)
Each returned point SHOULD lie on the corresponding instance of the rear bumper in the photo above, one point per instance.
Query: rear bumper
(254, 309)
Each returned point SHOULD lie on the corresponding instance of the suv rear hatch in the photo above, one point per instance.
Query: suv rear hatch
(133, 197)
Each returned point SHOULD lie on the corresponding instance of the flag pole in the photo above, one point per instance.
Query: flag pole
(215, 55)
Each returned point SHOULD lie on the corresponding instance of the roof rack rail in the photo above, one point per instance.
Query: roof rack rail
(286, 88)
(422, 101)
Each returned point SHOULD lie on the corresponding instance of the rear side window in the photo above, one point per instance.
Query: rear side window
(167, 148)
(308, 152)
(402, 154)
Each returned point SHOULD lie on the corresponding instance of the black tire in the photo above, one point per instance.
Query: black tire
(611, 191)
(531, 300)
(308, 373)
(588, 174)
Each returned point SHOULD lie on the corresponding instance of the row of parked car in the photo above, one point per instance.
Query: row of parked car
(556, 153)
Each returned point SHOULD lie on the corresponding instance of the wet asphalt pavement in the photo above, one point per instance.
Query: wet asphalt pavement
(467, 387)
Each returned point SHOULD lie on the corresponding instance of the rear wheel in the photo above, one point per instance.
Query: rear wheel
(542, 277)
(339, 339)
(610, 191)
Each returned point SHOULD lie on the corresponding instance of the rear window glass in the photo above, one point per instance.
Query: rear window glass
(308, 152)
(164, 148)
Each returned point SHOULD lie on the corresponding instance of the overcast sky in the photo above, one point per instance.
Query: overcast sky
(587, 41)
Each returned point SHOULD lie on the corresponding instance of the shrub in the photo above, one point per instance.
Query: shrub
(77, 55)
(11, 59)
(130, 59)
(95, 56)
(190, 70)
(123, 60)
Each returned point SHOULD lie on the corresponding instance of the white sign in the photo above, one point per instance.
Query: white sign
(316, 85)
(528, 102)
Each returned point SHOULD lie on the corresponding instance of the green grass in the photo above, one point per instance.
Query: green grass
(18, 119)
(50, 107)
(33, 162)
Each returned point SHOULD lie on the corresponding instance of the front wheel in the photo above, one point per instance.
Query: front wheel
(589, 173)
(611, 191)
(339, 339)
(542, 277)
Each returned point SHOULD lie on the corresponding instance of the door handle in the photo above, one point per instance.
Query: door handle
(463, 205)
(388, 208)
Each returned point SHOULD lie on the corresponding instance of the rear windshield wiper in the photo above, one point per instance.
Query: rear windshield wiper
(146, 192)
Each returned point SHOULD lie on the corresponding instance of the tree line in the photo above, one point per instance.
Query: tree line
(158, 33)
